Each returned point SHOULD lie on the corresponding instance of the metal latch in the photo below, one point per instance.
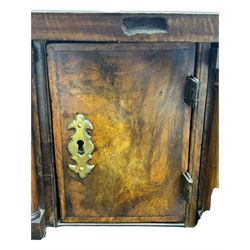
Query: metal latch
(186, 185)
(191, 94)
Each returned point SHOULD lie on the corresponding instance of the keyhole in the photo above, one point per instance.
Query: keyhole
(80, 147)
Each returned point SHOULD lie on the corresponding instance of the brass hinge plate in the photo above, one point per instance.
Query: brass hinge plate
(186, 185)
(191, 94)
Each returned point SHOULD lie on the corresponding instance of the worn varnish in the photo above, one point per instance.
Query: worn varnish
(133, 96)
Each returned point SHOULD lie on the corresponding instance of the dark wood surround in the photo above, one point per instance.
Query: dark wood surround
(126, 73)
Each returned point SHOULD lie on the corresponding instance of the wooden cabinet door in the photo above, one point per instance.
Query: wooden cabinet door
(133, 94)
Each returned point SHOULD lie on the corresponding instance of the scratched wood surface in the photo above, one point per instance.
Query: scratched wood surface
(133, 95)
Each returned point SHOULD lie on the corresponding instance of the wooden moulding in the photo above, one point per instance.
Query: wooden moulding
(38, 225)
(37, 214)
(34, 194)
(202, 59)
(212, 170)
(47, 152)
(209, 158)
(113, 27)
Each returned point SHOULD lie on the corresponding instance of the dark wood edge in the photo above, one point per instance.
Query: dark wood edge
(212, 171)
(46, 138)
(36, 139)
(107, 27)
(38, 227)
(211, 100)
(201, 72)
(211, 166)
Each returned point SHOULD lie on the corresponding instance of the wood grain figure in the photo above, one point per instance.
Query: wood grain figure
(133, 96)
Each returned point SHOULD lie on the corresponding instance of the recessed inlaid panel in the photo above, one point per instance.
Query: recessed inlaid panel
(133, 94)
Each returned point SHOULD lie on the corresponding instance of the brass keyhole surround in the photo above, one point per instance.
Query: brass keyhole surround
(80, 146)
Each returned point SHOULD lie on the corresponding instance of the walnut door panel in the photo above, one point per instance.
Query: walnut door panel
(133, 96)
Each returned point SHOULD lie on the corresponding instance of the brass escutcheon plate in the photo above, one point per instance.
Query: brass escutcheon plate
(80, 146)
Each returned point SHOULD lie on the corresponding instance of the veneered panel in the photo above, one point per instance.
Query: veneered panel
(133, 95)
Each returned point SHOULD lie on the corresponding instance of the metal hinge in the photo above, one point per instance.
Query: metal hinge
(186, 185)
(191, 95)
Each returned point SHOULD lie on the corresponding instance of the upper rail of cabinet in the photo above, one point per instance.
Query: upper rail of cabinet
(125, 27)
